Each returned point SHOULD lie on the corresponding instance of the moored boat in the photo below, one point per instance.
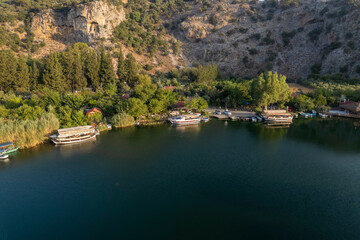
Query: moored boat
(4, 157)
(74, 135)
(279, 120)
(277, 117)
(184, 120)
(6, 148)
(205, 119)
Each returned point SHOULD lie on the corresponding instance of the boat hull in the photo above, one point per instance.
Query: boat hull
(15, 149)
(73, 141)
(186, 122)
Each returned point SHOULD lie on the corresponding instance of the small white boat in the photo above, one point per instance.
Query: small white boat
(205, 119)
(323, 115)
(109, 126)
(4, 157)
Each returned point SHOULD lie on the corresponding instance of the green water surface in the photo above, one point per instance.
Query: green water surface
(221, 180)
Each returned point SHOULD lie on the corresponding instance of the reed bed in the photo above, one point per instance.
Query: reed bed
(28, 133)
(122, 120)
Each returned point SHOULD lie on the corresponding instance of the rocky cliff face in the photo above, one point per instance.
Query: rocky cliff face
(243, 38)
(84, 23)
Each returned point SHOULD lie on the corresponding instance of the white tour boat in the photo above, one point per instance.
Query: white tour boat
(184, 120)
(74, 135)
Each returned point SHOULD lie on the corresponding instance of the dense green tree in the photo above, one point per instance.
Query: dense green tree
(157, 106)
(303, 103)
(34, 76)
(92, 68)
(132, 70)
(78, 80)
(106, 72)
(207, 74)
(197, 103)
(135, 107)
(53, 76)
(269, 89)
(144, 89)
(22, 81)
(235, 94)
(121, 70)
(8, 68)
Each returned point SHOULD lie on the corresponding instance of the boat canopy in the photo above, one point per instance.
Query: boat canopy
(8, 144)
(75, 130)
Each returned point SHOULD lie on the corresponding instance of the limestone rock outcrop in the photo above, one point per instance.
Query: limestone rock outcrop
(89, 22)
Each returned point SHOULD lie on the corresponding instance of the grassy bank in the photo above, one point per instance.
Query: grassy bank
(122, 120)
(28, 133)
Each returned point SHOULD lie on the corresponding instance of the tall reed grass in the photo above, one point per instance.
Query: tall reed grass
(122, 120)
(28, 133)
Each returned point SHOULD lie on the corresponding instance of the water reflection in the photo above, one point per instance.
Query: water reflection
(269, 133)
(187, 129)
(336, 134)
(72, 149)
(341, 135)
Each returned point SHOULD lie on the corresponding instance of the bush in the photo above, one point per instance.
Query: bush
(122, 120)
(314, 34)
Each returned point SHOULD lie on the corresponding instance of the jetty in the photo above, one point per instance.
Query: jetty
(235, 114)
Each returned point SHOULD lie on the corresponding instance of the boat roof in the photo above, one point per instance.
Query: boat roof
(7, 144)
(75, 129)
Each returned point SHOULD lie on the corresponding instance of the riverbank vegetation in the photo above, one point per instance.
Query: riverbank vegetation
(122, 120)
(28, 133)
(67, 84)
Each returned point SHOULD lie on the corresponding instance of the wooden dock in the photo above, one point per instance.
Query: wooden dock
(235, 115)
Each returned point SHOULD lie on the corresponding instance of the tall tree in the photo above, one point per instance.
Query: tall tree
(53, 76)
(78, 81)
(269, 89)
(207, 74)
(121, 71)
(92, 67)
(34, 75)
(22, 75)
(7, 70)
(144, 89)
(107, 75)
(132, 70)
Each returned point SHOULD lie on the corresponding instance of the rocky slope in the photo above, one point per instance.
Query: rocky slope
(89, 23)
(242, 37)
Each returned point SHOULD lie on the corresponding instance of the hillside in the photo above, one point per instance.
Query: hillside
(295, 38)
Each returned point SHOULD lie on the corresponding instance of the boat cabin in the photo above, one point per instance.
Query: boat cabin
(74, 134)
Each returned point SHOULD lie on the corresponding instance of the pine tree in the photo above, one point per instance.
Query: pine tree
(7, 70)
(53, 76)
(131, 70)
(92, 67)
(34, 76)
(22, 75)
(78, 80)
(107, 75)
(121, 71)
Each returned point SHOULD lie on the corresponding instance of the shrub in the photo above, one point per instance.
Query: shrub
(253, 51)
(314, 34)
(28, 133)
(122, 120)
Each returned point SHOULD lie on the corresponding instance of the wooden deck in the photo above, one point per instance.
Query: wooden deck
(235, 114)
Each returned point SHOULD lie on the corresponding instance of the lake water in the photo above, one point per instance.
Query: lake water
(221, 180)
